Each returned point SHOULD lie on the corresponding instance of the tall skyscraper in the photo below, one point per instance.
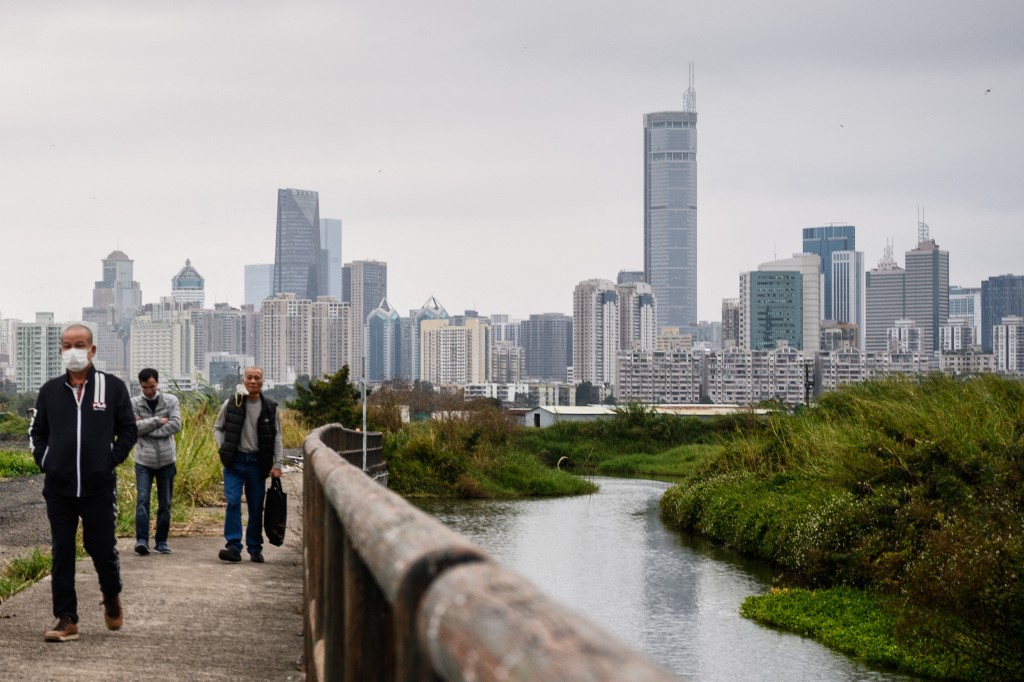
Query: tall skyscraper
(330, 242)
(927, 288)
(297, 254)
(187, 287)
(595, 322)
(771, 309)
(116, 300)
(547, 343)
(825, 241)
(884, 301)
(670, 211)
(1000, 297)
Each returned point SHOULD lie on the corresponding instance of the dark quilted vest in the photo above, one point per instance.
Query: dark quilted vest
(266, 432)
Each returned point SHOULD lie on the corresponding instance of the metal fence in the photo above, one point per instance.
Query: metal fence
(393, 594)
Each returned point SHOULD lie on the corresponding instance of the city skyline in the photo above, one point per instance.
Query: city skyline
(163, 135)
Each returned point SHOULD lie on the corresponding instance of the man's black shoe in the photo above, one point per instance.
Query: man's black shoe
(229, 554)
(256, 557)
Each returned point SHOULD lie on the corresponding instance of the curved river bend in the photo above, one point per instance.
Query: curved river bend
(609, 556)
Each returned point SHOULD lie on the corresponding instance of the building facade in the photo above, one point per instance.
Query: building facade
(330, 243)
(927, 289)
(884, 301)
(188, 287)
(547, 340)
(1000, 297)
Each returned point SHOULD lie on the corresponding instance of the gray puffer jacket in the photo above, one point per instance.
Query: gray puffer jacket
(155, 447)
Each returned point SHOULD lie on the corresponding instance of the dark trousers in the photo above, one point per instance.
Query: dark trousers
(97, 513)
(144, 476)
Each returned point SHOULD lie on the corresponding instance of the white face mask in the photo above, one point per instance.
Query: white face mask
(75, 359)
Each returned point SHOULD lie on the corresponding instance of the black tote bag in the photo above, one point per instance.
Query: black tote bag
(275, 513)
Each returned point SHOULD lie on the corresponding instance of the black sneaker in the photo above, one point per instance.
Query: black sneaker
(141, 548)
(230, 554)
(163, 548)
(256, 557)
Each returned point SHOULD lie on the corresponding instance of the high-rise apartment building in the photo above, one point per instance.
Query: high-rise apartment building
(8, 349)
(453, 354)
(547, 340)
(1001, 297)
(188, 287)
(670, 211)
(595, 322)
(507, 362)
(847, 287)
(884, 301)
(330, 243)
(638, 316)
(927, 288)
(297, 252)
(1008, 345)
(825, 241)
(369, 288)
(302, 337)
(165, 345)
(37, 352)
(259, 283)
(730, 322)
(430, 310)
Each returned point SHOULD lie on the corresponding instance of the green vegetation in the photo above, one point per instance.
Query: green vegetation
(908, 489)
(17, 463)
(20, 572)
(13, 425)
(470, 455)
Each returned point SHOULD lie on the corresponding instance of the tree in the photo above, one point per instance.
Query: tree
(586, 394)
(330, 400)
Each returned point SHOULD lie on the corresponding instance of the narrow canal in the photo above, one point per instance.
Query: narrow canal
(609, 556)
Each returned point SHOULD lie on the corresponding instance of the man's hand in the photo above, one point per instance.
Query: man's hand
(164, 420)
(276, 473)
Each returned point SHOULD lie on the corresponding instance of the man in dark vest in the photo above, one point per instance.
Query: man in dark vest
(248, 433)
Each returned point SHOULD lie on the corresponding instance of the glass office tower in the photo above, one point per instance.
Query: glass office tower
(670, 212)
(297, 254)
(825, 241)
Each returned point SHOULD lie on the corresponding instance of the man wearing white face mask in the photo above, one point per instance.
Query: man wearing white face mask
(82, 429)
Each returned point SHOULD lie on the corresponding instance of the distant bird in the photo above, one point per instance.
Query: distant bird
(380, 170)
(988, 91)
(842, 126)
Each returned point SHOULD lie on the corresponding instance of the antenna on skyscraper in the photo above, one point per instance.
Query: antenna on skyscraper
(690, 98)
(887, 262)
(922, 227)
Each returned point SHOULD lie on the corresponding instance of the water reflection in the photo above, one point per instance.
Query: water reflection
(609, 556)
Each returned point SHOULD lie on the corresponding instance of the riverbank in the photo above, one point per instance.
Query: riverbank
(906, 490)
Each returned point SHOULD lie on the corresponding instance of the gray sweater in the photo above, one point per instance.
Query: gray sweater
(155, 447)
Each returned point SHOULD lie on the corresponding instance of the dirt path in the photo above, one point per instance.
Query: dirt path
(23, 523)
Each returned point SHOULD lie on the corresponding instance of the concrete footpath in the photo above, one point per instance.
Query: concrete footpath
(188, 616)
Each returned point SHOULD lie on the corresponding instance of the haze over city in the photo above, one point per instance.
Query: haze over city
(492, 156)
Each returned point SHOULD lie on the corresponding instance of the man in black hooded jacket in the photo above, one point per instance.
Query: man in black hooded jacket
(82, 428)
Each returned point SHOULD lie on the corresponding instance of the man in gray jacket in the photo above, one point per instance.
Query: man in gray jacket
(158, 418)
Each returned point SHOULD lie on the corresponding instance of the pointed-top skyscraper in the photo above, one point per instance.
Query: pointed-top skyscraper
(670, 211)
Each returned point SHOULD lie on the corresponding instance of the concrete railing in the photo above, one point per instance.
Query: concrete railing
(393, 594)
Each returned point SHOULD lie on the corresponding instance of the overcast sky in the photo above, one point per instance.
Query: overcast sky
(491, 153)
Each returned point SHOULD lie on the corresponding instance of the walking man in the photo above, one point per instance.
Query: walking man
(248, 433)
(158, 418)
(82, 428)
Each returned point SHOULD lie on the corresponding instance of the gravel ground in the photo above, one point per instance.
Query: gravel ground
(23, 523)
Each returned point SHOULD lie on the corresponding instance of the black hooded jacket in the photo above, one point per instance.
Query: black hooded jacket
(78, 444)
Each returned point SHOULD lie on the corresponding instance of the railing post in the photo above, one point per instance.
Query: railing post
(334, 609)
(369, 637)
